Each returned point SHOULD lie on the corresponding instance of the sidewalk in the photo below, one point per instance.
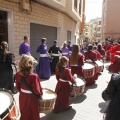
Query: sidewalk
(89, 106)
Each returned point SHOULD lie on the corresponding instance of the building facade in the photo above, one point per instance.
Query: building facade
(93, 30)
(82, 23)
(110, 19)
(55, 19)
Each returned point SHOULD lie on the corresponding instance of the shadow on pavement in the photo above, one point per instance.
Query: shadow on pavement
(66, 115)
(77, 99)
(93, 86)
(103, 106)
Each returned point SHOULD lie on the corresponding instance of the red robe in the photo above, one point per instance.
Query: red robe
(78, 69)
(28, 103)
(115, 50)
(115, 66)
(92, 54)
(99, 57)
(63, 90)
(91, 80)
(108, 52)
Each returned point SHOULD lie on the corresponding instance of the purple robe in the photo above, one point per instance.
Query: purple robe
(70, 48)
(44, 63)
(65, 52)
(24, 49)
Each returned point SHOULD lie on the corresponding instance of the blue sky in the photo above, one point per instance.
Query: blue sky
(93, 9)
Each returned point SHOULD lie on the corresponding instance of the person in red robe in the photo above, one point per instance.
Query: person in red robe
(101, 50)
(115, 50)
(28, 102)
(99, 57)
(115, 66)
(63, 76)
(76, 61)
(108, 51)
(91, 55)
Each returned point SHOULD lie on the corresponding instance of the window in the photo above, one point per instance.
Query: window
(99, 22)
(98, 29)
(75, 4)
(80, 6)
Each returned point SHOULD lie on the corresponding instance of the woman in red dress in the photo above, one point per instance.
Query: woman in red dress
(91, 55)
(28, 101)
(76, 61)
(63, 76)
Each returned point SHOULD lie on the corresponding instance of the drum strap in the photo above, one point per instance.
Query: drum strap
(61, 74)
(91, 58)
(23, 81)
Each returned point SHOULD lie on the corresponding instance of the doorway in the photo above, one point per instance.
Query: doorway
(3, 26)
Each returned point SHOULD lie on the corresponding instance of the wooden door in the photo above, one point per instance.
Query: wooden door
(3, 26)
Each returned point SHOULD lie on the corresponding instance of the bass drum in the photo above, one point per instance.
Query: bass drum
(78, 88)
(48, 100)
(88, 69)
(8, 108)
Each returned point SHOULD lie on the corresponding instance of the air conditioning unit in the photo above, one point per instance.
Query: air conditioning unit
(26, 4)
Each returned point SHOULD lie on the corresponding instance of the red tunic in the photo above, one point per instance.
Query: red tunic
(91, 80)
(115, 67)
(63, 90)
(92, 54)
(108, 52)
(78, 69)
(115, 50)
(28, 102)
(99, 57)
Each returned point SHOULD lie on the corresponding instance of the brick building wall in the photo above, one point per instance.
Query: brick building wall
(19, 23)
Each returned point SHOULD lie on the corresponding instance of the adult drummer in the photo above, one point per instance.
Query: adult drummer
(91, 57)
(28, 99)
(55, 54)
(76, 61)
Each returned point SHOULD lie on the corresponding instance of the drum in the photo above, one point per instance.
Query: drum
(100, 66)
(48, 100)
(8, 108)
(78, 88)
(88, 70)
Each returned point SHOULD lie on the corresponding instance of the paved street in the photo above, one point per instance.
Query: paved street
(89, 106)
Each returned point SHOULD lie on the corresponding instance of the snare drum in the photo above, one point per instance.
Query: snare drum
(78, 88)
(48, 100)
(100, 66)
(88, 70)
(8, 108)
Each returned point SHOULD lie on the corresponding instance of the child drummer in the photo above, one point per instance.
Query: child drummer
(63, 76)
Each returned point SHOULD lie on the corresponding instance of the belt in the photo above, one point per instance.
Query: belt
(55, 54)
(26, 91)
(65, 53)
(73, 65)
(26, 54)
(63, 80)
(43, 55)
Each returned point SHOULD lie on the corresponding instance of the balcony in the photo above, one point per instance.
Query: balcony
(66, 6)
